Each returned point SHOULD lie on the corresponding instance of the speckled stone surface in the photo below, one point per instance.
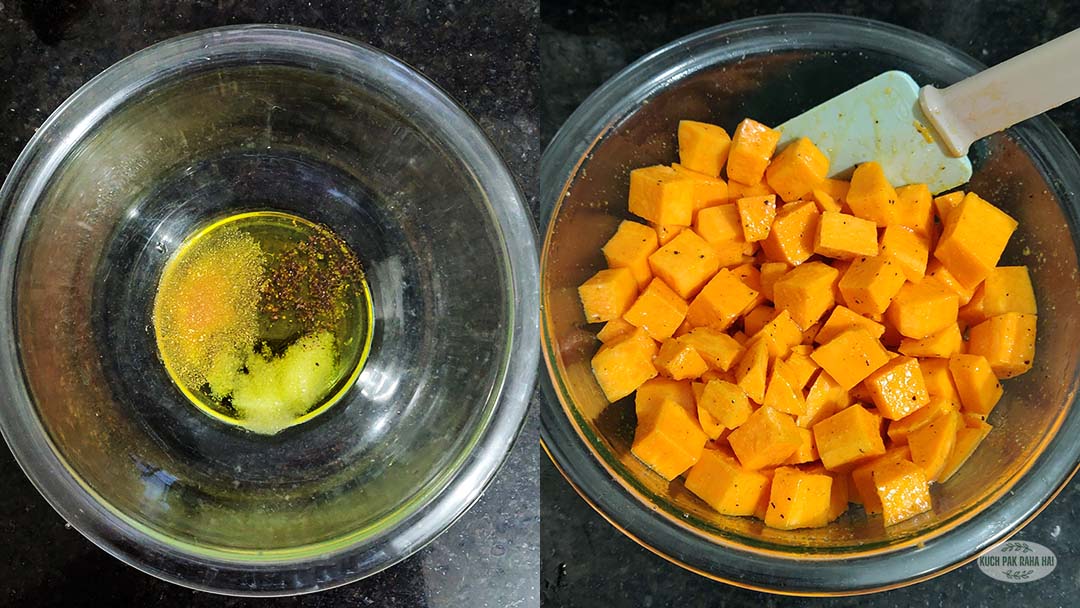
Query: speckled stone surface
(585, 561)
(485, 55)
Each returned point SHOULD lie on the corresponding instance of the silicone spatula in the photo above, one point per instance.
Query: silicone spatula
(922, 136)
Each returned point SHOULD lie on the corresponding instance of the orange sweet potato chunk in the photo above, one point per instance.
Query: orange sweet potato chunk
(780, 335)
(679, 361)
(945, 203)
(843, 319)
(708, 191)
(1008, 289)
(757, 214)
(915, 208)
(864, 491)
(685, 264)
(870, 196)
(903, 490)
(824, 399)
(752, 147)
(703, 147)
(974, 238)
(799, 168)
(660, 389)
(1007, 341)
(658, 310)
(613, 330)
(932, 444)
(659, 194)
(922, 309)
(943, 344)
(968, 438)
(844, 236)
(897, 388)
(781, 394)
(752, 369)
(798, 499)
(791, 239)
(608, 294)
(899, 430)
(757, 318)
(870, 284)
(725, 485)
(721, 228)
(938, 379)
(850, 357)
(621, 366)
(726, 403)
(668, 439)
(630, 248)
(908, 249)
(720, 301)
(848, 438)
(766, 439)
(717, 348)
(770, 274)
(976, 383)
(807, 292)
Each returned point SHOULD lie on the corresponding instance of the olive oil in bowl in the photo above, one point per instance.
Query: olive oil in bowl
(263, 319)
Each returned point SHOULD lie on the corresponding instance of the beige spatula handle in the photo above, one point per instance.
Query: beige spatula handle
(1026, 85)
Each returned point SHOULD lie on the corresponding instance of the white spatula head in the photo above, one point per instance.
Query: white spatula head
(880, 120)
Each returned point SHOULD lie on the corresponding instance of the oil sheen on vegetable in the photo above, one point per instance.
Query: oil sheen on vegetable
(263, 319)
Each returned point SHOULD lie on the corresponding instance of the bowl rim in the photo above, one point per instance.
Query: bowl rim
(622, 504)
(507, 403)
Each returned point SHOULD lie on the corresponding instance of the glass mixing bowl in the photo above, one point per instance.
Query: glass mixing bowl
(771, 69)
(232, 120)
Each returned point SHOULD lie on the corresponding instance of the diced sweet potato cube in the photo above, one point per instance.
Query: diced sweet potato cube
(780, 392)
(752, 147)
(899, 430)
(968, 438)
(936, 271)
(807, 450)
(850, 357)
(751, 277)
(848, 438)
(800, 366)
(630, 248)
(757, 318)
(685, 264)
(915, 208)
(807, 292)
(621, 366)
(708, 191)
(1007, 341)
(903, 490)
(938, 379)
(844, 236)
(973, 312)
(726, 403)
(770, 274)
(679, 361)
(791, 238)
(976, 383)
(945, 343)
(870, 284)
(613, 330)
(897, 388)
(725, 485)
(654, 392)
(737, 190)
(840, 493)
(825, 398)
(658, 310)
(835, 188)
(909, 250)
(718, 349)
(666, 232)
(825, 201)
(780, 335)
(720, 301)
(751, 370)
(797, 169)
(703, 147)
(863, 490)
(608, 294)
(659, 194)
(944, 204)
(798, 499)
(767, 438)
(757, 214)
(712, 429)
(870, 196)
(719, 224)
(932, 444)
(843, 319)
(1008, 289)
(668, 440)
(974, 238)
(922, 309)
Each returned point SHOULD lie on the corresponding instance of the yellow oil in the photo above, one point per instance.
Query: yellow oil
(263, 319)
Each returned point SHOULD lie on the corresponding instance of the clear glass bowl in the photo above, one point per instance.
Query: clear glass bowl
(232, 120)
(771, 69)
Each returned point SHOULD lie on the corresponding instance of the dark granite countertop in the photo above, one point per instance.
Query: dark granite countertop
(483, 54)
(585, 561)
